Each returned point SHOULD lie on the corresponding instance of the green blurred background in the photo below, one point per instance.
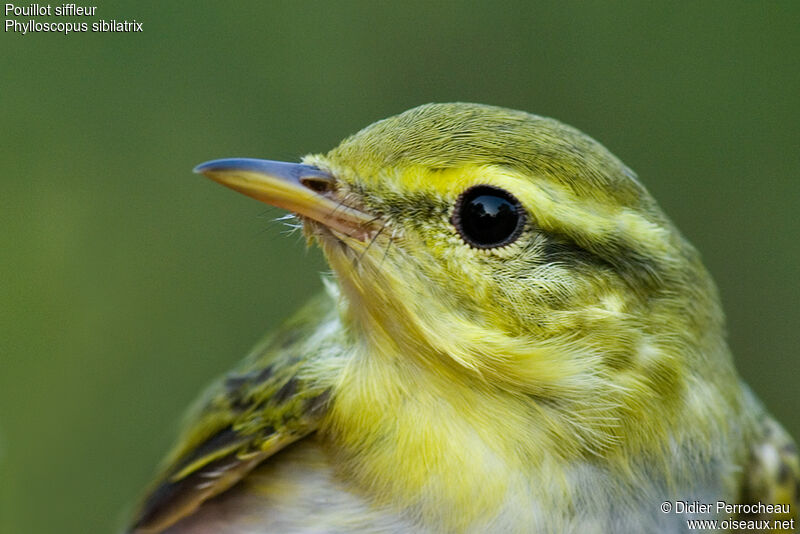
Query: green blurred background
(127, 282)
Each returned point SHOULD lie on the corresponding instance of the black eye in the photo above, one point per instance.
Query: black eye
(488, 217)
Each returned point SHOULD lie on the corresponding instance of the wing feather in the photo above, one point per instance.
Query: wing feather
(772, 476)
(245, 417)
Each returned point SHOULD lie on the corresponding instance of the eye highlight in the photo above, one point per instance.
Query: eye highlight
(488, 217)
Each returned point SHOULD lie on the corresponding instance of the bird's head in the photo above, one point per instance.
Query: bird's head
(504, 247)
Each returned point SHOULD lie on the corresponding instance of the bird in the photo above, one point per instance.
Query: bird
(513, 337)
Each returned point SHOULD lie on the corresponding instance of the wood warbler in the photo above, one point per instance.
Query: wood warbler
(515, 338)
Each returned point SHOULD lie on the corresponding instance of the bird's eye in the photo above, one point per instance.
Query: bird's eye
(488, 217)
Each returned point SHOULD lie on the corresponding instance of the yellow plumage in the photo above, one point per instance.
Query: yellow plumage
(516, 340)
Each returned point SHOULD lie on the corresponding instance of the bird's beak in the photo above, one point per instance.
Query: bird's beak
(302, 189)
